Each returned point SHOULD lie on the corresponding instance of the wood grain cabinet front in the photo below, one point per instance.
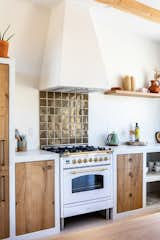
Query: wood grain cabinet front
(129, 182)
(4, 116)
(4, 151)
(4, 204)
(35, 197)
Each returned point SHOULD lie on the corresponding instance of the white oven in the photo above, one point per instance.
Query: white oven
(86, 184)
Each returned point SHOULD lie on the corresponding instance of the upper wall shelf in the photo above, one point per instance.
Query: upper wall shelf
(132, 94)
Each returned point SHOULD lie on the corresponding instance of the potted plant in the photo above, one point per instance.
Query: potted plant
(4, 42)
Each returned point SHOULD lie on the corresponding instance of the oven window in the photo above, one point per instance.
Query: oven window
(87, 183)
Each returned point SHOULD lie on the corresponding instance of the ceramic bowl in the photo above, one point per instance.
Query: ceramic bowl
(158, 163)
(157, 168)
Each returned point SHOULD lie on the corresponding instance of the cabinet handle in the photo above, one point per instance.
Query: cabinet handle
(44, 168)
(130, 195)
(2, 153)
(2, 189)
(6, 95)
(49, 167)
(131, 175)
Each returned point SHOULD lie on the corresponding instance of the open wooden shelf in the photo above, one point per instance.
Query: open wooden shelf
(132, 94)
(153, 177)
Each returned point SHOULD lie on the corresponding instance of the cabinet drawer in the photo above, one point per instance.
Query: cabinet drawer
(4, 126)
(4, 155)
(4, 204)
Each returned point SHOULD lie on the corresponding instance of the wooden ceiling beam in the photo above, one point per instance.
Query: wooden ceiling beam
(134, 7)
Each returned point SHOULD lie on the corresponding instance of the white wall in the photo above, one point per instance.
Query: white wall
(110, 113)
(29, 22)
(124, 53)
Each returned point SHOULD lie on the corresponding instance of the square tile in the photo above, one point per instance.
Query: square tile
(43, 110)
(43, 102)
(51, 110)
(44, 126)
(85, 140)
(51, 102)
(65, 104)
(65, 96)
(57, 111)
(43, 118)
(43, 142)
(43, 94)
(58, 103)
(43, 134)
(51, 134)
(51, 141)
(51, 118)
(58, 95)
(51, 95)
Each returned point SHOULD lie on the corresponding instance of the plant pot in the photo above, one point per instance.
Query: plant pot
(4, 45)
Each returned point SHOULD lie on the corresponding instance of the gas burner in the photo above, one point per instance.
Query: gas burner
(72, 149)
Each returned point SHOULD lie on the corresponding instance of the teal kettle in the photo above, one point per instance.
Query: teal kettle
(112, 139)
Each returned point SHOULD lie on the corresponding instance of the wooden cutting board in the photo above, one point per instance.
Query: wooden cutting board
(136, 143)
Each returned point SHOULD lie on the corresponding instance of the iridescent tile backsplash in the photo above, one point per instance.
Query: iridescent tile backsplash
(63, 118)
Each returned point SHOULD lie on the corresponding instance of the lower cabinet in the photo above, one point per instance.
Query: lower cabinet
(129, 182)
(4, 204)
(35, 201)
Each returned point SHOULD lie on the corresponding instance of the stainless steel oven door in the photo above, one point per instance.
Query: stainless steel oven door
(86, 184)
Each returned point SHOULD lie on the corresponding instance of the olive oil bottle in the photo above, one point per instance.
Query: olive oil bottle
(137, 133)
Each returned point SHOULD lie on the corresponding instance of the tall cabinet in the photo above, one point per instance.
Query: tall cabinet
(5, 150)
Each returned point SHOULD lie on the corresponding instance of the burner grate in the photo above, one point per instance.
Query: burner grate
(72, 149)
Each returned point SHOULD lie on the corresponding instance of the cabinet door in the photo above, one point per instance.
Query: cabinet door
(4, 116)
(123, 183)
(34, 196)
(129, 182)
(137, 181)
(4, 205)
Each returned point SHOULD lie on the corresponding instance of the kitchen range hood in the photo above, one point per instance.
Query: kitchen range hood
(72, 59)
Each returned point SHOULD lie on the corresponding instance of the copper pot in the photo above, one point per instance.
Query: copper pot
(4, 45)
(154, 88)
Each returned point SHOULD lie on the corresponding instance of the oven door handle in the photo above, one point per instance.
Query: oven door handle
(90, 170)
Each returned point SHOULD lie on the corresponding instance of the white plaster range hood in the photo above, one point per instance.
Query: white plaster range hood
(72, 59)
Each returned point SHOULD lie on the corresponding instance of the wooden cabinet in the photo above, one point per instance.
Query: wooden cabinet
(4, 151)
(4, 204)
(4, 116)
(34, 196)
(129, 182)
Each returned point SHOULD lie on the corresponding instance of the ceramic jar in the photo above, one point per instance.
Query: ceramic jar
(154, 88)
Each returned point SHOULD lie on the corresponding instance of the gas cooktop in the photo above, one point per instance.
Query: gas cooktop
(73, 149)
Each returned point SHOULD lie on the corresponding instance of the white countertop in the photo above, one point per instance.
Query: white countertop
(39, 155)
(35, 155)
(122, 149)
